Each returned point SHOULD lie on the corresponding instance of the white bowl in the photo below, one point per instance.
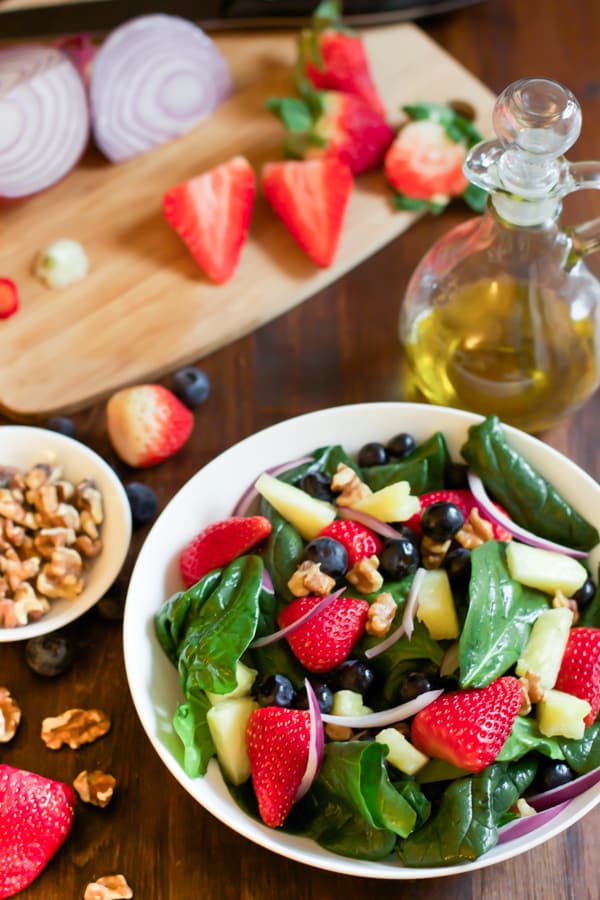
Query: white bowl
(23, 446)
(210, 495)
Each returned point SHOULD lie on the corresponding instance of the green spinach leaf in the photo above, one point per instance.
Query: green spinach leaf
(174, 616)
(525, 737)
(424, 468)
(583, 755)
(190, 724)
(282, 551)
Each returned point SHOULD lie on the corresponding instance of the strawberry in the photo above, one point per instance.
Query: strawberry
(580, 668)
(332, 57)
(36, 815)
(147, 423)
(333, 125)
(326, 640)
(219, 544)
(277, 741)
(423, 163)
(212, 214)
(9, 298)
(360, 542)
(469, 728)
(310, 197)
(465, 501)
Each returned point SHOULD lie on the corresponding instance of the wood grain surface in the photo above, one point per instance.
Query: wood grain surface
(339, 347)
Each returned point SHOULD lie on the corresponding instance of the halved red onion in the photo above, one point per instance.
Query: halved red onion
(243, 505)
(154, 78)
(376, 525)
(316, 742)
(567, 791)
(44, 119)
(527, 537)
(526, 824)
(289, 629)
(408, 616)
(386, 716)
(81, 51)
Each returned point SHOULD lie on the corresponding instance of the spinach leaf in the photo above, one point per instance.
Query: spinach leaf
(439, 770)
(424, 468)
(413, 794)
(590, 616)
(324, 459)
(501, 612)
(282, 551)
(526, 736)
(189, 723)
(529, 499)
(172, 619)
(583, 755)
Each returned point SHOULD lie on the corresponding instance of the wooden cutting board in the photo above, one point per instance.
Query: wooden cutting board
(145, 307)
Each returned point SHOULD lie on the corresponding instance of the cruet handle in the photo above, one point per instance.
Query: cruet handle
(585, 237)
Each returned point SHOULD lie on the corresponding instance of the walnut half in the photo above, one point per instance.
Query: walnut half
(95, 787)
(74, 728)
(109, 887)
(10, 716)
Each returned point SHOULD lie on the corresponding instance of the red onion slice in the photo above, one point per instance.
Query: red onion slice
(408, 617)
(267, 584)
(289, 629)
(154, 78)
(479, 492)
(243, 505)
(386, 716)
(44, 119)
(316, 742)
(376, 525)
(563, 792)
(525, 825)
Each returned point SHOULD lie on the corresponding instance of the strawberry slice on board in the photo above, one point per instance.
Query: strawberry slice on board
(465, 501)
(36, 815)
(469, 728)
(579, 673)
(310, 197)
(212, 212)
(146, 424)
(9, 298)
(221, 543)
(277, 742)
(360, 542)
(326, 640)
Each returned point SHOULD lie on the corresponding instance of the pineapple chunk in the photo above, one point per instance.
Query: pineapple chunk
(307, 514)
(349, 703)
(393, 503)
(244, 677)
(544, 650)
(562, 714)
(227, 725)
(401, 752)
(544, 569)
(436, 607)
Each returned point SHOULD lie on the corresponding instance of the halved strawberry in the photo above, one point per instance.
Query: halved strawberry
(465, 501)
(221, 543)
(36, 815)
(9, 298)
(147, 423)
(327, 639)
(212, 214)
(360, 542)
(469, 728)
(277, 741)
(580, 668)
(310, 197)
(423, 163)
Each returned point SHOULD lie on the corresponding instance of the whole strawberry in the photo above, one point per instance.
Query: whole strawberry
(580, 669)
(360, 542)
(277, 742)
(147, 424)
(327, 639)
(219, 544)
(36, 815)
(469, 728)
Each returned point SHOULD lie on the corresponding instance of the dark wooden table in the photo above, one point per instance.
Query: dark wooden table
(338, 347)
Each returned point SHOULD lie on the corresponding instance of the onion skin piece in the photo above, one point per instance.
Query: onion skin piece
(317, 742)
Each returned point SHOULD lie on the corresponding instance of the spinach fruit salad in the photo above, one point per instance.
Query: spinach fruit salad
(396, 653)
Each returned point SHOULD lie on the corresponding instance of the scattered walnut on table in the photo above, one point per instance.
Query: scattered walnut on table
(109, 887)
(308, 579)
(364, 575)
(10, 716)
(95, 787)
(74, 728)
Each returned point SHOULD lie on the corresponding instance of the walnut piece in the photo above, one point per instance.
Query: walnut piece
(10, 716)
(351, 488)
(95, 787)
(381, 615)
(559, 600)
(522, 808)
(475, 531)
(532, 688)
(109, 887)
(364, 575)
(338, 732)
(308, 579)
(433, 552)
(74, 728)
(61, 575)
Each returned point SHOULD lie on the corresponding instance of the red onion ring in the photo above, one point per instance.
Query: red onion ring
(564, 792)
(250, 494)
(408, 616)
(45, 119)
(526, 824)
(386, 716)
(283, 632)
(527, 537)
(376, 525)
(316, 742)
(154, 78)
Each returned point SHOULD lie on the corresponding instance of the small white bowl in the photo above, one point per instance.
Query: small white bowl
(24, 446)
(211, 495)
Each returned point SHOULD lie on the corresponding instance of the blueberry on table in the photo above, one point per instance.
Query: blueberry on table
(372, 454)
(274, 690)
(441, 520)
(332, 555)
(323, 693)
(399, 558)
(62, 424)
(142, 501)
(49, 655)
(586, 593)
(191, 386)
(552, 774)
(401, 445)
(353, 675)
(318, 485)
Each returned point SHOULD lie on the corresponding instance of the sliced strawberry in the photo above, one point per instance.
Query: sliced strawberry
(360, 542)
(277, 741)
(469, 728)
(147, 423)
(36, 815)
(212, 214)
(9, 298)
(327, 639)
(310, 197)
(579, 673)
(465, 501)
(423, 163)
(221, 543)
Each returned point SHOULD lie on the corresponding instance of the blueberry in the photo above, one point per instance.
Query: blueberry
(49, 655)
(399, 558)
(585, 594)
(62, 425)
(274, 690)
(406, 532)
(191, 385)
(332, 555)
(323, 693)
(456, 476)
(552, 774)
(352, 675)
(441, 520)
(457, 563)
(317, 484)
(111, 607)
(142, 501)
(372, 454)
(401, 445)
(413, 684)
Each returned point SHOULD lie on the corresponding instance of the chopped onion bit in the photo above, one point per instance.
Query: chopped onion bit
(61, 264)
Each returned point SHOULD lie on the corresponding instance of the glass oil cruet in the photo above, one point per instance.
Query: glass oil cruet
(502, 314)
